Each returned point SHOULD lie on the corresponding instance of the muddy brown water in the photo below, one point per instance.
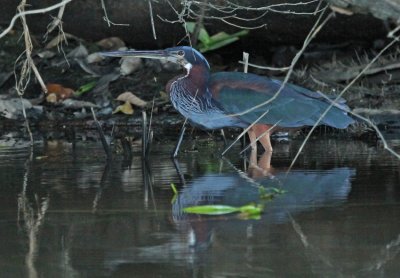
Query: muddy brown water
(65, 212)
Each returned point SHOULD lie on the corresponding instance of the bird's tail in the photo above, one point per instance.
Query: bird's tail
(338, 115)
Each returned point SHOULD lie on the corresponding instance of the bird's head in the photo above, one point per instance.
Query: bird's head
(185, 56)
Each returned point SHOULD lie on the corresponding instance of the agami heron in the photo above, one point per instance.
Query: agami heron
(227, 99)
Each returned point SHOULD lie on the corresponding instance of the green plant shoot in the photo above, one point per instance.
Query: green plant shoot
(215, 41)
(173, 187)
(85, 88)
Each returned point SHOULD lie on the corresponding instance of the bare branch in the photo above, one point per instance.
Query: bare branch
(265, 67)
(396, 39)
(106, 19)
(56, 21)
(153, 27)
(38, 11)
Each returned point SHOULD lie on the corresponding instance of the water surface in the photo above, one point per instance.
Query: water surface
(65, 212)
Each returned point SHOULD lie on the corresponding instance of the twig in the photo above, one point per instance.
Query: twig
(152, 20)
(243, 27)
(106, 19)
(396, 39)
(38, 11)
(28, 128)
(271, 7)
(56, 21)
(33, 218)
(102, 137)
(180, 139)
(245, 62)
(27, 66)
(315, 252)
(149, 130)
(265, 67)
(102, 185)
(199, 23)
(144, 134)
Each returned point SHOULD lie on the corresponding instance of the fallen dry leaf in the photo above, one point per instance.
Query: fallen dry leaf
(51, 98)
(130, 64)
(125, 108)
(164, 95)
(112, 43)
(77, 104)
(58, 39)
(94, 58)
(46, 54)
(79, 52)
(132, 99)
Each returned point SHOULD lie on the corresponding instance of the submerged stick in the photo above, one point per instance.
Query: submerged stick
(146, 135)
(149, 131)
(178, 144)
(106, 146)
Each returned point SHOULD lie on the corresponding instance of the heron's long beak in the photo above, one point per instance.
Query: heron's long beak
(149, 54)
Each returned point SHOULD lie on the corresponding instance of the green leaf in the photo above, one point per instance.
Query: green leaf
(221, 36)
(240, 33)
(217, 45)
(278, 191)
(85, 88)
(211, 209)
(203, 36)
(173, 187)
(251, 209)
(224, 209)
(270, 192)
(190, 26)
(207, 42)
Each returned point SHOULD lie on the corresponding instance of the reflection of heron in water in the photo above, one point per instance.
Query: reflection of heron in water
(304, 190)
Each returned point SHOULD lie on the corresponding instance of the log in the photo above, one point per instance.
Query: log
(84, 19)
(383, 9)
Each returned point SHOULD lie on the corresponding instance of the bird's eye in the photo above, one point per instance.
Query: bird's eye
(181, 53)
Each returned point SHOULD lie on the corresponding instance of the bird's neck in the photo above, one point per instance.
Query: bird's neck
(195, 80)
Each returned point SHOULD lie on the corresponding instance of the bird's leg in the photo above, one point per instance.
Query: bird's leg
(265, 161)
(178, 144)
(253, 159)
(265, 132)
(252, 137)
(262, 168)
(266, 142)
